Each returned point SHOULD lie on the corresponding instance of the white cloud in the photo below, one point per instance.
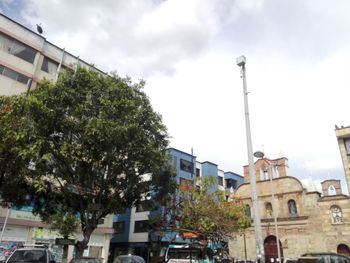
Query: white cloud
(297, 69)
(328, 164)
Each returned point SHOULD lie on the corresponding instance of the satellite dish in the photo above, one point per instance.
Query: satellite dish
(39, 29)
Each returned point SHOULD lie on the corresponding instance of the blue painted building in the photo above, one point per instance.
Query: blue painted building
(131, 235)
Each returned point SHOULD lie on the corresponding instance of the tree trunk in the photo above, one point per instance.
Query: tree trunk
(65, 254)
(80, 246)
(65, 251)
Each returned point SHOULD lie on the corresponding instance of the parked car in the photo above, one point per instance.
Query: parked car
(86, 260)
(323, 257)
(129, 259)
(31, 254)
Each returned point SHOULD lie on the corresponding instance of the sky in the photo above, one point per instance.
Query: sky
(298, 64)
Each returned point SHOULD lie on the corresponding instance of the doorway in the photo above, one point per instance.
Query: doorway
(270, 248)
(343, 249)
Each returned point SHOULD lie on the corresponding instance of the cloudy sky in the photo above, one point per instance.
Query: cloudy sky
(298, 64)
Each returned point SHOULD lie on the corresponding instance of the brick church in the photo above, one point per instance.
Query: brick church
(307, 220)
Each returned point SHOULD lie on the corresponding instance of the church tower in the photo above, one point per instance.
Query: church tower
(266, 168)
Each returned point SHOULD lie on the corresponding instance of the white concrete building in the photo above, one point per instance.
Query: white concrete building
(25, 58)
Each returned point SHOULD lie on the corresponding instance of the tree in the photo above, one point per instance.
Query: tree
(206, 213)
(90, 139)
(66, 224)
(13, 164)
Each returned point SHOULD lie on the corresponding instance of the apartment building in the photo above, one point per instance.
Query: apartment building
(131, 229)
(25, 58)
(343, 137)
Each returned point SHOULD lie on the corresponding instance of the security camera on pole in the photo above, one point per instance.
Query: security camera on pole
(241, 61)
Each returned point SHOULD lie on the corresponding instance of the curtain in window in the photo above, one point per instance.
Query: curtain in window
(16, 48)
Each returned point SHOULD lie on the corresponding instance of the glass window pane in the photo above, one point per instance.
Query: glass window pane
(17, 48)
(23, 52)
(141, 226)
(13, 75)
(49, 66)
(186, 166)
(5, 43)
(347, 145)
(23, 79)
(10, 73)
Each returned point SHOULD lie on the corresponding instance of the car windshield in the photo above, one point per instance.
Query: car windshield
(129, 259)
(184, 253)
(35, 256)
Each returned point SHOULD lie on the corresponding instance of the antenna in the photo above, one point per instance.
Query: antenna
(39, 28)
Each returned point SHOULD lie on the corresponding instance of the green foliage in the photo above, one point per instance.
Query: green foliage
(65, 222)
(85, 142)
(13, 147)
(207, 213)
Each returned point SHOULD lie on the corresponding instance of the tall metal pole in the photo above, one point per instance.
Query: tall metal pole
(274, 208)
(5, 223)
(245, 247)
(241, 61)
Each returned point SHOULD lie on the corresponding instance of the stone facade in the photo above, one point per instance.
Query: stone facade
(304, 216)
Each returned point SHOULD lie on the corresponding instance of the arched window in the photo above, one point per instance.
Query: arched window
(268, 208)
(343, 249)
(292, 208)
(331, 190)
(336, 215)
(247, 211)
(275, 172)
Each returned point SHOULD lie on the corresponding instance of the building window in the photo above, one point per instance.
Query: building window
(141, 226)
(331, 190)
(17, 48)
(49, 66)
(268, 208)
(264, 174)
(247, 211)
(336, 214)
(231, 183)
(347, 145)
(292, 208)
(198, 172)
(13, 75)
(186, 166)
(275, 172)
(119, 227)
(145, 205)
(220, 181)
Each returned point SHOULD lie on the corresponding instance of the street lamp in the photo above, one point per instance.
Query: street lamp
(241, 61)
(261, 155)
